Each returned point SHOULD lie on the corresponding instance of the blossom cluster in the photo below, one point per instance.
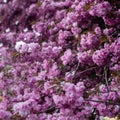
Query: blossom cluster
(59, 59)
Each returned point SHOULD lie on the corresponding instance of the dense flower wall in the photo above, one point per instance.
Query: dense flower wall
(59, 59)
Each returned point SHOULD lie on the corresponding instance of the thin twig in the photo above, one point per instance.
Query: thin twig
(75, 72)
(106, 80)
(51, 108)
(107, 102)
(88, 69)
(81, 71)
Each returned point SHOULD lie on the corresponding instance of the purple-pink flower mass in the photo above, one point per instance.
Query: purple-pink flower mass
(59, 59)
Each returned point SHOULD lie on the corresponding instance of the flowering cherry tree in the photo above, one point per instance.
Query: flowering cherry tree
(59, 59)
